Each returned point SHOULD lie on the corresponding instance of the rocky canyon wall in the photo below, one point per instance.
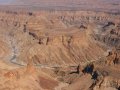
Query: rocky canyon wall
(59, 37)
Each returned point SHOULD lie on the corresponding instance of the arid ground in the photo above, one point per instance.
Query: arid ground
(60, 45)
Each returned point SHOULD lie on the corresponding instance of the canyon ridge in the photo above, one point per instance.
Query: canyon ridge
(60, 45)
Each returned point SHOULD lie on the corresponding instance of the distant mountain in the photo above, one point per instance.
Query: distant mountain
(46, 2)
(60, 2)
(98, 5)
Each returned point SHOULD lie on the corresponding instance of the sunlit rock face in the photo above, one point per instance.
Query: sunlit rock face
(74, 47)
(59, 37)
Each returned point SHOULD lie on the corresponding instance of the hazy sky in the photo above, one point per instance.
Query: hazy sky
(104, 1)
(5, 1)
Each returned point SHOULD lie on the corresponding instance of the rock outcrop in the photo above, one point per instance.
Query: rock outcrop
(47, 48)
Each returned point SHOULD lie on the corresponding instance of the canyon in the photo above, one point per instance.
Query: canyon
(62, 49)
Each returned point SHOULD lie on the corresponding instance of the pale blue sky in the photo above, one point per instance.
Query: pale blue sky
(105, 1)
(5, 1)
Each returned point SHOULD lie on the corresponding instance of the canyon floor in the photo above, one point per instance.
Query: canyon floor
(60, 47)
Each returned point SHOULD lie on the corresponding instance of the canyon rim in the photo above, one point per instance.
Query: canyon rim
(59, 44)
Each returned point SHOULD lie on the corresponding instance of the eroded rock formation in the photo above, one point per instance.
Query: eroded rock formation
(60, 49)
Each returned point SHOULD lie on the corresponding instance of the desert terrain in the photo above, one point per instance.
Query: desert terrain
(60, 45)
